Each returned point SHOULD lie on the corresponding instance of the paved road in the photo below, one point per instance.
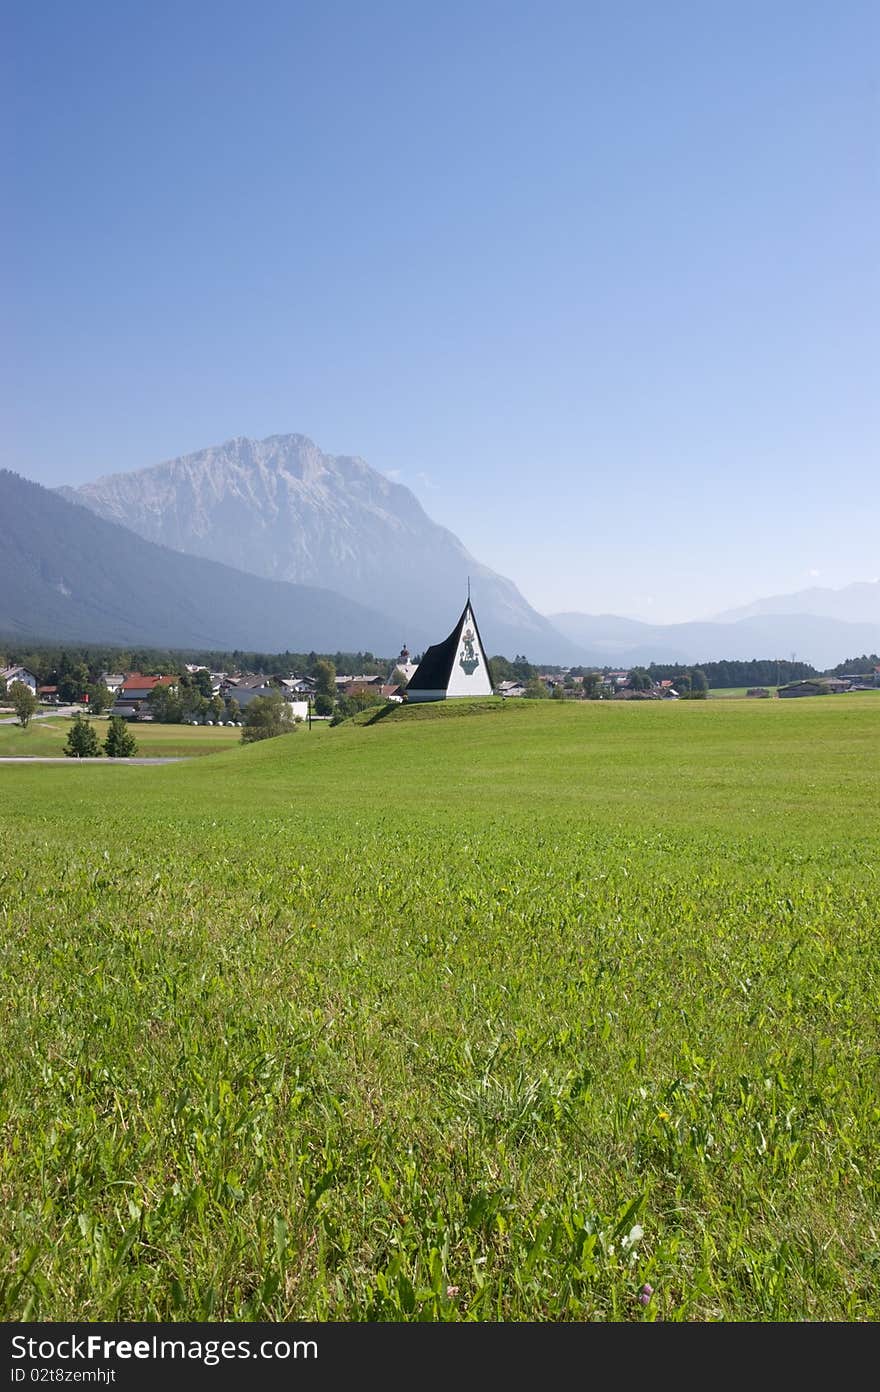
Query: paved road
(42, 715)
(50, 759)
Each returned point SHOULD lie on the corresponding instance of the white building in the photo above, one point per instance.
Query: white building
(456, 667)
(404, 665)
(18, 674)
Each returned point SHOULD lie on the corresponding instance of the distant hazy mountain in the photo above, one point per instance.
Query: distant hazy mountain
(858, 603)
(67, 576)
(821, 641)
(281, 508)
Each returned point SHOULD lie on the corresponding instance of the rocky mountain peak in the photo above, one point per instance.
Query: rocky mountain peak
(283, 509)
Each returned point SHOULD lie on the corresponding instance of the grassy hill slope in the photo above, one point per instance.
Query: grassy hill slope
(493, 1017)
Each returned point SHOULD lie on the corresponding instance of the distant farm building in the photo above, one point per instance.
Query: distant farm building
(825, 686)
(454, 668)
(759, 691)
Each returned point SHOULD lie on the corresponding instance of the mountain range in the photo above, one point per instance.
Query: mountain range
(824, 642)
(857, 603)
(273, 544)
(69, 576)
(282, 509)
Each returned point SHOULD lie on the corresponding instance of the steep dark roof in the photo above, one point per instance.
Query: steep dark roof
(435, 668)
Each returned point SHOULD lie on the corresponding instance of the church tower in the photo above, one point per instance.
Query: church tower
(456, 667)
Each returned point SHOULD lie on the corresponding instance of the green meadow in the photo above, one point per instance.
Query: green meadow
(48, 737)
(502, 1012)
(730, 693)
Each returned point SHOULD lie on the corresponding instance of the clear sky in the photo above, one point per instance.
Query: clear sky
(598, 281)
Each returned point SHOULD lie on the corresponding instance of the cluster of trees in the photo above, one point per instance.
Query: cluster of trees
(856, 666)
(756, 672)
(347, 706)
(83, 743)
(692, 683)
(266, 717)
(520, 669)
(191, 699)
(51, 665)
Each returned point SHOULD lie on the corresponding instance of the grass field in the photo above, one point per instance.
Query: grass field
(735, 693)
(501, 1016)
(49, 736)
(732, 693)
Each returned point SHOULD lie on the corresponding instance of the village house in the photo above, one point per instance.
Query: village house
(19, 674)
(613, 681)
(137, 689)
(300, 686)
(512, 687)
(245, 689)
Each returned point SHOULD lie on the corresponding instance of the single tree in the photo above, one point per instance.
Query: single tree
(233, 709)
(345, 708)
(82, 740)
(266, 717)
(24, 702)
(167, 707)
(325, 678)
(398, 678)
(536, 690)
(120, 742)
(188, 704)
(323, 704)
(201, 681)
(368, 697)
(99, 698)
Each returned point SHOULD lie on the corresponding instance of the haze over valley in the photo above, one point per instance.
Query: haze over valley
(346, 558)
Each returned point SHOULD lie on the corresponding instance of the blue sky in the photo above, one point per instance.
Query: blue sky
(598, 281)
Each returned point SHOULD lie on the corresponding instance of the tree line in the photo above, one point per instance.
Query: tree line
(756, 672)
(76, 671)
(71, 666)
(856, 666)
